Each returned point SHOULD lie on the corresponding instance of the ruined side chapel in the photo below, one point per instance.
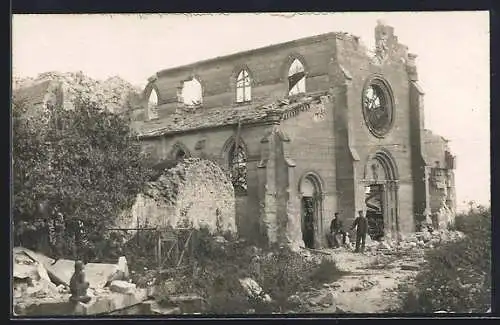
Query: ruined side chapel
(305, 129)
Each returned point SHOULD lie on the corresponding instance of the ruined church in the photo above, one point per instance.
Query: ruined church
(305, 129)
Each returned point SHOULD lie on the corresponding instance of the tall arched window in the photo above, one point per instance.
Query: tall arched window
(243, 87)
(153, 105)
(238, 168)
(296, 78)
(191, 93)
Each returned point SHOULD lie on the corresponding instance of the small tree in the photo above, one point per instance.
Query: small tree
(82, 165)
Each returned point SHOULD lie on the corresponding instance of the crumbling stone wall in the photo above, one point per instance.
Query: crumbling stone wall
(442, 213)
(113, 94)
(195, 191)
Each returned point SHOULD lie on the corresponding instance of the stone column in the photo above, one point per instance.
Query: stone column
(293, 228)
(269, 204)
(427, 203)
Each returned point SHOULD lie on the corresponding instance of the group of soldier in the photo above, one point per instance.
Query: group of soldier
(337, 229)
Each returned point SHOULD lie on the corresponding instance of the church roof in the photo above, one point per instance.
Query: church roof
(225, 116)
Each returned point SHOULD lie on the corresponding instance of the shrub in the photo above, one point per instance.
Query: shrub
(220, 266)
(457, 276)
(72, 168)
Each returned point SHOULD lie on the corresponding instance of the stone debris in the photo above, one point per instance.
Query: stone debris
(364, 284)
(335, 284)
(30, 278)
(122, 287)
(98, 274)
(413, 242)
(294, 300)
(40, 258)
(254, 290)
(40, 285)
(328, 299)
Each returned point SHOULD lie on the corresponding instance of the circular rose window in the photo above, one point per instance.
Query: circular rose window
(377, 107)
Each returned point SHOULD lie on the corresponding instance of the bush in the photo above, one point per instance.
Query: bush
(73, 170)
(457, 276)
(219, 267)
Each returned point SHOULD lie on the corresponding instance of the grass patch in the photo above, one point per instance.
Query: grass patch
(456, 276)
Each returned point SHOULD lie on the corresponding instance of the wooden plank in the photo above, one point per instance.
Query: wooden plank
(184, 248)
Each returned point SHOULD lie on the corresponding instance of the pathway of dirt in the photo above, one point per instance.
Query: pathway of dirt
(371, 285)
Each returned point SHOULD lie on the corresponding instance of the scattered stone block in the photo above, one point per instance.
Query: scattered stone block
(122, 287)
(61, 271)
(251, 287)
(100, 274)
(329, 299)
(37, 257)
(294, 300)
(335, 284)
(108, 303)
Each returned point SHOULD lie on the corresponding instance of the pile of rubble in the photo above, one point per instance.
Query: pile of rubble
(416, 241)
(41, 285)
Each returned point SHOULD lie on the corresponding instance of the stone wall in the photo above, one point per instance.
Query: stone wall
(359, 67)
(268, 68)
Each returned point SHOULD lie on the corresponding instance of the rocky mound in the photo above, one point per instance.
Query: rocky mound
(194, 193)
(113, 94)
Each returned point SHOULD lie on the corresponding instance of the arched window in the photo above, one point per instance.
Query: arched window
(191, 93)
(296, 78)
(238, 168)
(243, 87)
(153, 105)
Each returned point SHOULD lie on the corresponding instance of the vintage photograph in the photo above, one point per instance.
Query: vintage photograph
(250, 164)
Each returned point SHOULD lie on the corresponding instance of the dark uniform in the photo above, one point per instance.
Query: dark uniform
(336, 228)
(361, 225)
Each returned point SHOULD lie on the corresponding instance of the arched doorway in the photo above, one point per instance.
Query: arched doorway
(311, 206)
(381, 196)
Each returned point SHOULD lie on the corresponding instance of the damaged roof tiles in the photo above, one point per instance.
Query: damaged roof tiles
(224, 116)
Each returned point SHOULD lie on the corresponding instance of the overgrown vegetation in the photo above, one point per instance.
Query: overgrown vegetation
(74, 172)
(217, 266)
(457, 276)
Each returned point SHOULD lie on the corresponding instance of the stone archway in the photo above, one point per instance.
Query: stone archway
(311, 207)
(381, 183)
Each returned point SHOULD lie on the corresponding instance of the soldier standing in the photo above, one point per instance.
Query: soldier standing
(361, 225)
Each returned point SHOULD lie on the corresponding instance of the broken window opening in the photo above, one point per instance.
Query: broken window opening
(153, 105)
(243, 87)
(296, 78)
(238, 169)
(191, 93)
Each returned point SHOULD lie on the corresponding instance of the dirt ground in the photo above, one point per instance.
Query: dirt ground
(370, 286)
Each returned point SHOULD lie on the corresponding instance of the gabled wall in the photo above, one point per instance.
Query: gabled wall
(268, 68)
(354, 60)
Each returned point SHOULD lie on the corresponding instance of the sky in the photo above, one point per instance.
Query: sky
(452, 48)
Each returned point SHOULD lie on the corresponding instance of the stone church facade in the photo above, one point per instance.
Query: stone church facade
(305, 129)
